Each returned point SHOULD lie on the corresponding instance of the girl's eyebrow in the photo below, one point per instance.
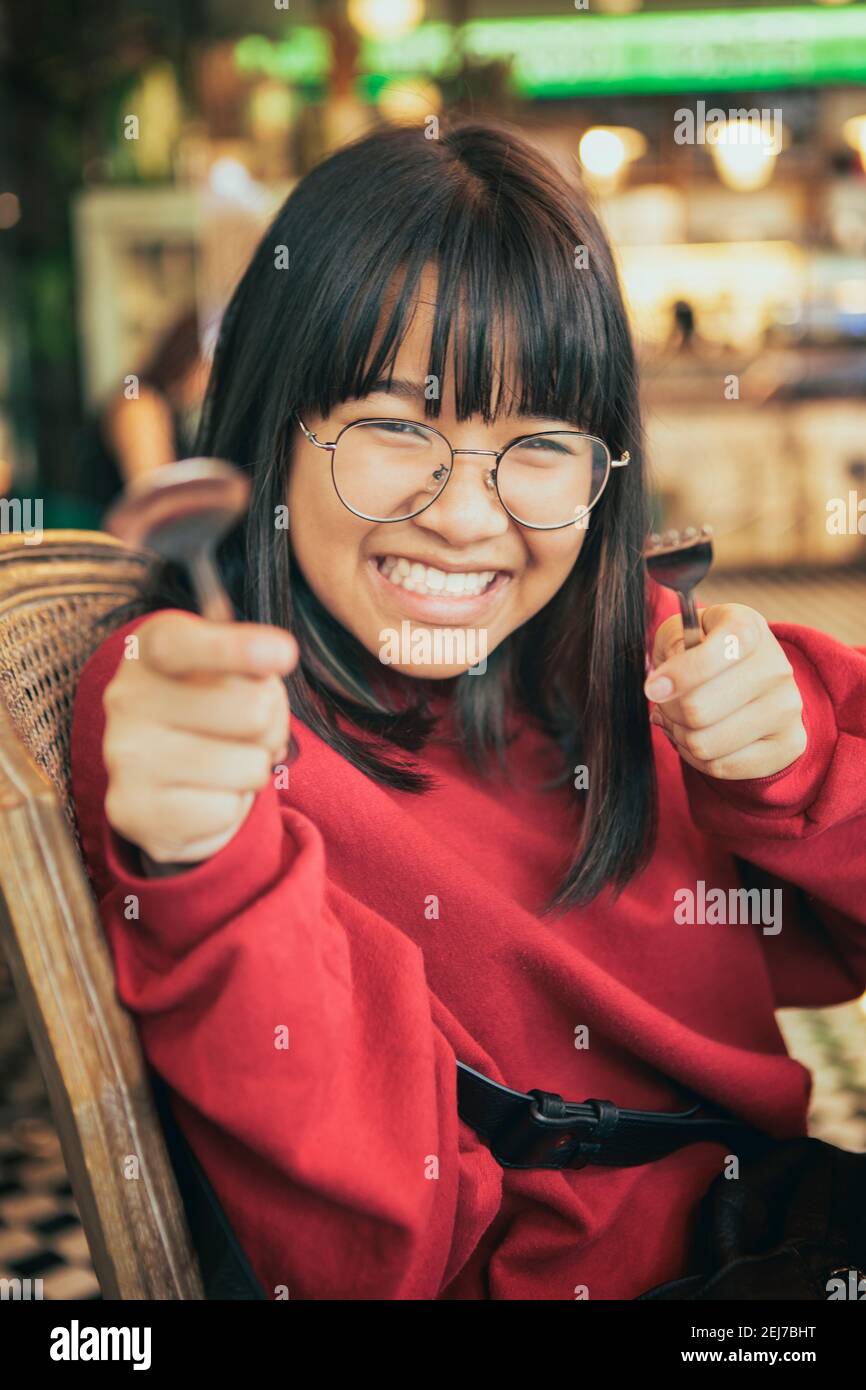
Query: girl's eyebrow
(401, 387)
(414, 392)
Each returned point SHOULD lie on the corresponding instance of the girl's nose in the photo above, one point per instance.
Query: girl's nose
(468, 506)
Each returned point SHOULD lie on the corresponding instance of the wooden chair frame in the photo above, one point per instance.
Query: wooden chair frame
(85, 1040)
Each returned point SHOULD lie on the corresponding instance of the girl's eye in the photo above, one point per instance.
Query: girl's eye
(540, 444)
(405, 428)
(402, 433)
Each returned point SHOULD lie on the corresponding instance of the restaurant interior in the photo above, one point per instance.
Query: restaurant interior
(725, 148)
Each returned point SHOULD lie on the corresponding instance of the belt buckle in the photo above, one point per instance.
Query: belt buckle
(535, 1139)
(562, 1145)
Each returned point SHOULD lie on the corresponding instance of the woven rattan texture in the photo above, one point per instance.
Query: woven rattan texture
(48, 645)
(56, 606)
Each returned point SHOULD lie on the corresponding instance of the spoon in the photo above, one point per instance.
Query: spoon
(181, 511)
(679, 561)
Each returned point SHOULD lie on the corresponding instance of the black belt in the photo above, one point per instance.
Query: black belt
(539, 1129)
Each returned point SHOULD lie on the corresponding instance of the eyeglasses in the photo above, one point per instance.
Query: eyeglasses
(392, 470)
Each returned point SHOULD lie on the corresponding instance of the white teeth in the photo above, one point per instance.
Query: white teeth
(425, 579)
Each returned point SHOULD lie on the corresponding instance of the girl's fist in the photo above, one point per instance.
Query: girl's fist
(196, 717)
(730, 706)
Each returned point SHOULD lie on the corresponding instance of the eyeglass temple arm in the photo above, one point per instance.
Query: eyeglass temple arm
(621, 463)
(311, 437)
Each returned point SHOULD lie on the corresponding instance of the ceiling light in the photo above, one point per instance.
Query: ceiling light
(385, 19)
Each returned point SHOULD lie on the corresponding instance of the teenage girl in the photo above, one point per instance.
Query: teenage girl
(428, 374)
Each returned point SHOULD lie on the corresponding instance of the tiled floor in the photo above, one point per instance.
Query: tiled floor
(832, 1044)
(40, 1235)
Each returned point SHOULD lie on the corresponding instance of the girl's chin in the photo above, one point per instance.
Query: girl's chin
(419, 672)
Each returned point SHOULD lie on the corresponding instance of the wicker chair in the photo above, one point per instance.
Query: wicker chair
(54, 600)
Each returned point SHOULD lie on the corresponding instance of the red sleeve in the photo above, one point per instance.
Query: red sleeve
(806, 825)
(295, 1027)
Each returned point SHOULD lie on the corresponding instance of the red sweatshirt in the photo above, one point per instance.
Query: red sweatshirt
(307, 990)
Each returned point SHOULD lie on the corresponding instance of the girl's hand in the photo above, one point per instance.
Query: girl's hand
(196, 717)
(730, 706)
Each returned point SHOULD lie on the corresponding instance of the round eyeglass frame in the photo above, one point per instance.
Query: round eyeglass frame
(491, 478)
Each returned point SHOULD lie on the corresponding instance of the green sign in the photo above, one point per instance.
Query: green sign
(584, 54)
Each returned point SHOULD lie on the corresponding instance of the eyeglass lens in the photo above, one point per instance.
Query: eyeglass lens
(389, 470)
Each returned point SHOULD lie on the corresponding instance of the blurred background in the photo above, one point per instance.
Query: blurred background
(147, 144)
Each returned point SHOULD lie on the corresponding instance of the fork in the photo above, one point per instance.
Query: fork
(679, 561)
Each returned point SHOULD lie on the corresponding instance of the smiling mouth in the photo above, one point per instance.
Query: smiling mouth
(417, 578)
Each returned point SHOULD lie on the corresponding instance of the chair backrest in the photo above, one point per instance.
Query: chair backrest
(55, 598)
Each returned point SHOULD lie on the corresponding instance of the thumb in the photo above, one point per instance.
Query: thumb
(668, 639)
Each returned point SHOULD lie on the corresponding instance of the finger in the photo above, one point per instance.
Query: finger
(733, 638)
(172, 758)
(762, 759)
(179, 644)
(722, 696)
(762, 718)
(668, 639)
(253, 708)
(188, 820)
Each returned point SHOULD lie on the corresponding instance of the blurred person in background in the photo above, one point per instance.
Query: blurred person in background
(135, 433)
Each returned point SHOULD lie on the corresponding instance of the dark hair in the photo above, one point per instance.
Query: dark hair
(521, 261)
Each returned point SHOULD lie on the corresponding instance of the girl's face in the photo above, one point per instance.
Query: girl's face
(353, 566)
